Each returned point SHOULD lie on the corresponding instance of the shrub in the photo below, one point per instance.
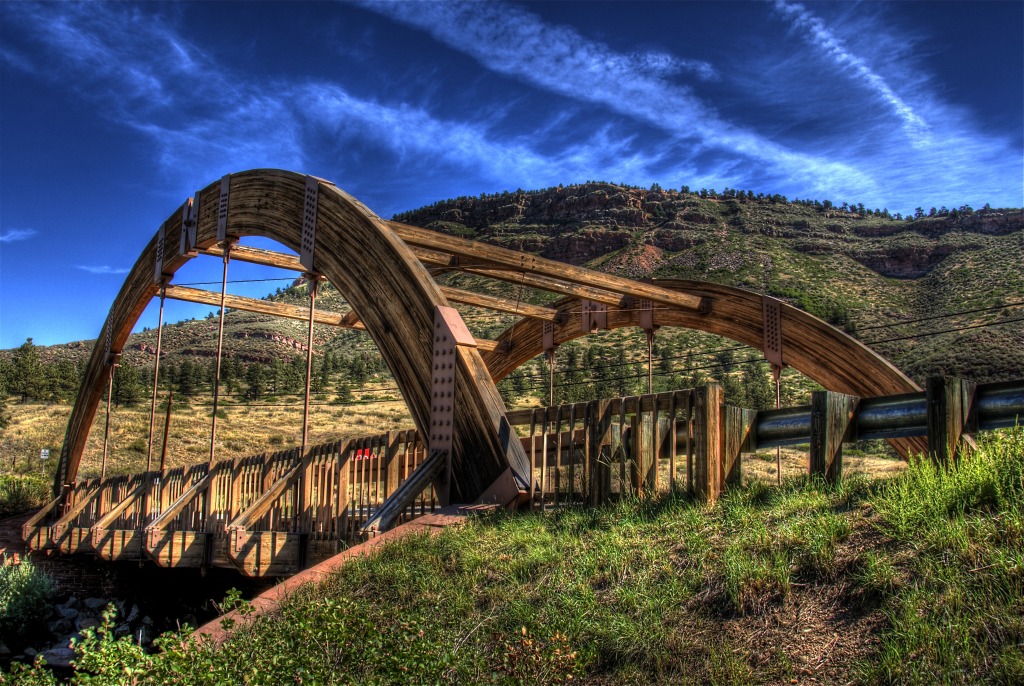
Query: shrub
(24, 594)
(22, 493)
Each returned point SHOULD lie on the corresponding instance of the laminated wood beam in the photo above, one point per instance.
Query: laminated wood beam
(237, 302)
(291, 262)
(267, 258)
(510, 259)
(432, 258)
(490, 302)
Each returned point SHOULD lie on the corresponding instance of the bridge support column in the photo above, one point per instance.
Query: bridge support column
(950, 402)
(831, 425)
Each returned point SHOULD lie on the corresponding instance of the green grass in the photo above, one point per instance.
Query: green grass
(917, 579)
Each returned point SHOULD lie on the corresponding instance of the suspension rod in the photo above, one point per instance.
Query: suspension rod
(156, 377)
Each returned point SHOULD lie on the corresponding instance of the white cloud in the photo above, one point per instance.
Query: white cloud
(819, 35)
(17, 235)
(102, 269)
(559, 59)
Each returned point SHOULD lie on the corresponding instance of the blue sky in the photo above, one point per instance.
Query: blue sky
(111, 114)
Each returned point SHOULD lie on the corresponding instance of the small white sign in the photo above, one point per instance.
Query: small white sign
(44, 454)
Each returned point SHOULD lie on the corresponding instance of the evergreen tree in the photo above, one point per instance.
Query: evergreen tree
(185, 378)
(62, 381)
(759, 386)
(29, 381)
(129, 388)
(255, 381)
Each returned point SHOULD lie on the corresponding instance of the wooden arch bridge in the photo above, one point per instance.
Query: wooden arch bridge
(274, 513)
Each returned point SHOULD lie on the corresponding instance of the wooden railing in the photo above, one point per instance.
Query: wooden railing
(267, 514)
(602, 450)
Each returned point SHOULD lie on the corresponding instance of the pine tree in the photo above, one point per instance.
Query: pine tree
(128, 386)
(29, 381)
(256, 382)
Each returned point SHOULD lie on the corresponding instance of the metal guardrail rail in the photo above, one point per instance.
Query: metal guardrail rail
(996, 405)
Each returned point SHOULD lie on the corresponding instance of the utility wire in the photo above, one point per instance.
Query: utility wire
(936, 333)
(1005, 306)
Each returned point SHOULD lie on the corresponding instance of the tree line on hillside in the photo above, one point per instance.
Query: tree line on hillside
(587, 372)
(826, 206)
(26, 377)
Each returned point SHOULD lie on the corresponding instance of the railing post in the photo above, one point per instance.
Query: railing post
(737, 438)
(599, 427)
(831, 424)
(949, 402)
(707, 404)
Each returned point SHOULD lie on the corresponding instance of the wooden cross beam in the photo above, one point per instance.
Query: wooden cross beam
(237, 302)
(512, 260)
(291, 262)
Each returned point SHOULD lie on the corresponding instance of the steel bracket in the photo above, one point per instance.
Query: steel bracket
(222, 208)
(449, 333)
(158, 265)
(548, 331)
(771, 310)
(189, 222)
(647, 315)
(593, 316)
(309, 214)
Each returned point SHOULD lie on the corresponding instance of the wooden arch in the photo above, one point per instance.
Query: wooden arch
(384, 270)
(371, 267)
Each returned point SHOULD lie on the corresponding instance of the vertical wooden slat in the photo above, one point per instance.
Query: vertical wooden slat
(558, 452)
(737, 425)
(533, 459)
(690, 395)
(543, 459)
(572, 451)
(601, 428)
(672, 442)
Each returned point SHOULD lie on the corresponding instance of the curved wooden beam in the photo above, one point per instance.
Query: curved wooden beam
(371, 267)
(821, 352)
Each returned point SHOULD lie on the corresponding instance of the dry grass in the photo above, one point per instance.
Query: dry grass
(241, 431)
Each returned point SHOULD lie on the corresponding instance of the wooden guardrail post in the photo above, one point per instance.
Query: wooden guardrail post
(737, 438)
(831, 424)
(599, 429)
(949, 402)
(707, 406)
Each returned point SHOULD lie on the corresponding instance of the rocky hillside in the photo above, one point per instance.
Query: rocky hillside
(868, 271)
(875, 274)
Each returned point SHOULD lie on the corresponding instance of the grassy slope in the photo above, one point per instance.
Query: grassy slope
(915, 580)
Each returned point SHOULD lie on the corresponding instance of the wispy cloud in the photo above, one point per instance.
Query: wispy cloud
(559, 59)
(411, 132)
(102, 269)
(17, 235)
(632, 116)
(819, 35)
(203, 120)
